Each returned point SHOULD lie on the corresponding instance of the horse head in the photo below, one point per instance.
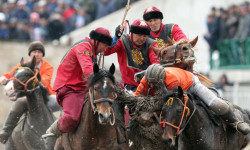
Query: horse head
(179, 54)
(102, 95)
(25, 79)
(173, 117)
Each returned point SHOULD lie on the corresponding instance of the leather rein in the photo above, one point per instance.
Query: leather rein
(185, 109)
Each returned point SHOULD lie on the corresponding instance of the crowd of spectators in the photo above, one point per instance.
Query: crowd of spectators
(47, 20)
(228, 23)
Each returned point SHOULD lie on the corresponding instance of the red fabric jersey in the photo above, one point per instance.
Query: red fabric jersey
(76, 66)
(177, 33)
(126, 71)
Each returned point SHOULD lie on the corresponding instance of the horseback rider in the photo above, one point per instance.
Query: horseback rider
(71, 81)
(173, 77)
(134, 52)
(36, 49)
(160, 31)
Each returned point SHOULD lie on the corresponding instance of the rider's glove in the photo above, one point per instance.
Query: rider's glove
(118, 32)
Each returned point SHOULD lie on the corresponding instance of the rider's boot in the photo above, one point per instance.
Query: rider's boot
(17, 110)
(11, 122)
(231, 119)
(51, 135)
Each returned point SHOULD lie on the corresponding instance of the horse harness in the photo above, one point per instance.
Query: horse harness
(185, 109)
(174, 60)
(94, 101)
(34, 78)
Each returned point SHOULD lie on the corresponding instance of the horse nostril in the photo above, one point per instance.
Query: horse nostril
(101, 116)
(169, 140)
(184, 48)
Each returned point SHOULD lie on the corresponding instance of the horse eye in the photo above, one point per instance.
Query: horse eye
(165, 52)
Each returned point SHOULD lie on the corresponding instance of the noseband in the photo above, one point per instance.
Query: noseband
(34, 78)
(94, 101)
(185, 108)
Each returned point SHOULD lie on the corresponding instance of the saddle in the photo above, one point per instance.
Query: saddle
(213, 116)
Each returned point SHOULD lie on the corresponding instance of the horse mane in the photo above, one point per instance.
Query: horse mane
(204, 80)
(44, 93)
(100, 74)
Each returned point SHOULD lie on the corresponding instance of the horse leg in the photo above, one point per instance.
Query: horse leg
(119, 122)
(10, 144)
(59, 145)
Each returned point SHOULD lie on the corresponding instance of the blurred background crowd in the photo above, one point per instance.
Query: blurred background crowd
(47, 20)
(228, 32)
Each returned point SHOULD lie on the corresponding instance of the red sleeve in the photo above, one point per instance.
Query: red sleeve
(151, 54)
(177, 33)
(83, 54)
(117, 48)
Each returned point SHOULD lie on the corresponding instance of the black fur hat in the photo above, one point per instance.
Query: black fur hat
(152, 13)
(101, 35)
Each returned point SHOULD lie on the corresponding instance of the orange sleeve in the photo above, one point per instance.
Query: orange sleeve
(142, 87)
(10, 74)
(46, 72)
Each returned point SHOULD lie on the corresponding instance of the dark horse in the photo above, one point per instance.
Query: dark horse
(27, 134)
(144, 131)
(96, 129)
(189, 126)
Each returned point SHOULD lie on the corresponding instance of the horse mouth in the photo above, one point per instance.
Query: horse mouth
(12, 96)
(104, 118)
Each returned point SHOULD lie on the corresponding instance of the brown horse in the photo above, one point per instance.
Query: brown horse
(96, 130)
(187, 124)
(181, 54)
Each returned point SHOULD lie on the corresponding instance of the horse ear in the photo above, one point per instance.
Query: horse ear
(170, 41)
(194, 41)
(180, 92)
(33, 63)
(22, 61)
(96, 68)
(112, 69)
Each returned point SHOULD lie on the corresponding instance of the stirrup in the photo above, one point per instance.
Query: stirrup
(48, 135)
(236, 127)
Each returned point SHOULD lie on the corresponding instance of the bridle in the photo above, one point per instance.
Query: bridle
(34, 78)
(185, 109)
(94, 101)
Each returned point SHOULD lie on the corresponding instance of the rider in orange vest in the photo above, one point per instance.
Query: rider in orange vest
(72, 75)
(174, 77)
(160, 31)
(36, 49)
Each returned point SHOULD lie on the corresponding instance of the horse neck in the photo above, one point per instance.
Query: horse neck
(196, 123)
(36, 105)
